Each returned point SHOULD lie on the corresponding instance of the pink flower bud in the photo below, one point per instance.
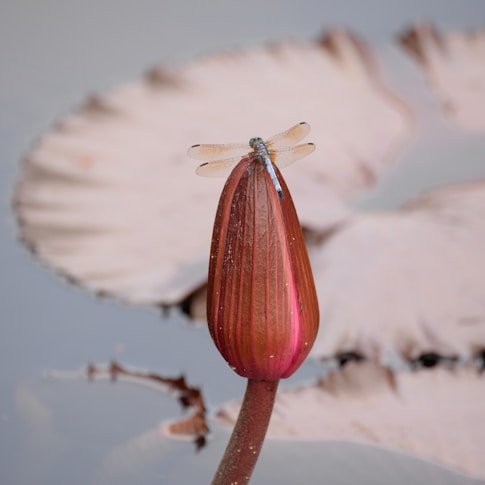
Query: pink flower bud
(262, 305)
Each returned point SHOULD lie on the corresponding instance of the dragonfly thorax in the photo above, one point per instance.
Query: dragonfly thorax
(259, 147)
(280, 150)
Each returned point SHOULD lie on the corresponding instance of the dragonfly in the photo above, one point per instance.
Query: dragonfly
(280, 150)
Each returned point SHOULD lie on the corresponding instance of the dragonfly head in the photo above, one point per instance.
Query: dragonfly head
(253, 142)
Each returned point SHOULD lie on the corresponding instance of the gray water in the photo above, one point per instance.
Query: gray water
(53, 54)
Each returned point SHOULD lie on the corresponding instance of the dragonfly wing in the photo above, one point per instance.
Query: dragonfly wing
(285, 157)
(218, 168)
(218, 152)
(289, 137)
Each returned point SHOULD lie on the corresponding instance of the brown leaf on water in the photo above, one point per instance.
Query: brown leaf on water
(194, 426)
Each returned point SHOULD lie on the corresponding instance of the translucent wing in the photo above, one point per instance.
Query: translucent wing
(218, 152)
(285, 157)
(289, 137)
(218, 168)
(222, 158)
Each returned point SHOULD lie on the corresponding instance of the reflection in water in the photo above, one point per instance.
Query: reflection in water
(42, 447)
(80, 434)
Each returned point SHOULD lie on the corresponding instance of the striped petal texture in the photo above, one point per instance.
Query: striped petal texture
(262, 305)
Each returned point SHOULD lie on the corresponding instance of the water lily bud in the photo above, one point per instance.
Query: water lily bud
(262, 305)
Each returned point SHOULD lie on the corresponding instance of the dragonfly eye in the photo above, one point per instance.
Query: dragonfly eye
(253, 141)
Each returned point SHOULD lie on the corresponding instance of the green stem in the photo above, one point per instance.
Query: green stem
(247, 438)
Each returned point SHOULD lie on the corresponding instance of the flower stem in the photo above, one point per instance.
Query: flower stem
(247, 438)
